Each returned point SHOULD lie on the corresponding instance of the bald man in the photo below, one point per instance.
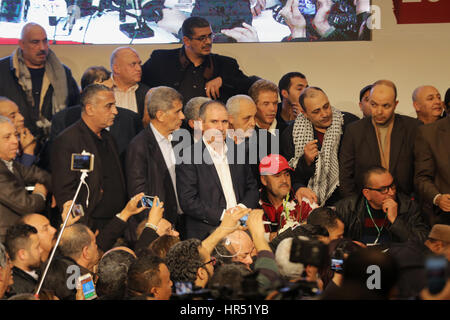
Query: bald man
(428, 104)
(126, 76)
(35, 79)
(386, 139)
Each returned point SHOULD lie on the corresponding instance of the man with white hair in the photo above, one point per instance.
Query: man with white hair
(428, 104)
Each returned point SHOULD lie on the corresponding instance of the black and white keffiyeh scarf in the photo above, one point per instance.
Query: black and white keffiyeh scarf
(326, 175)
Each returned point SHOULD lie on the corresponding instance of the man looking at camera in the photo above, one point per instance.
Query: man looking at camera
(192, 69)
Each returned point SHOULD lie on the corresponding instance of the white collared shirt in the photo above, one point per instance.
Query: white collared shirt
(165, 146)
(9, 165)
(272, 127)
(223, 171)
(126, 99)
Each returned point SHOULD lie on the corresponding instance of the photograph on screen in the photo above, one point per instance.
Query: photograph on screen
(159, 21)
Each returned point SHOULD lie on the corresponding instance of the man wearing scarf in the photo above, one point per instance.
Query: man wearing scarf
(193, 70)
(35, 79)
(385, 139)
(312, 144)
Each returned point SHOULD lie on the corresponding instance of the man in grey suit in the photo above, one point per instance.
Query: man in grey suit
(15, 200)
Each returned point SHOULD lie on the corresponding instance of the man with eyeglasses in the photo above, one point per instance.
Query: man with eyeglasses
(380, 215)
(193, 70)
(385, 139)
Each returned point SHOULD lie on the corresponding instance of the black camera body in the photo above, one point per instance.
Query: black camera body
(308, 252)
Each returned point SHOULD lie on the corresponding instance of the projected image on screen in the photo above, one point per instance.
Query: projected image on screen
(159, 21)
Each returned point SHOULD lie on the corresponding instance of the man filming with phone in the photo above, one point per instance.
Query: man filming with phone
(104, 193)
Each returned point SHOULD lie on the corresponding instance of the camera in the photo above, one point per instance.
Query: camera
(308, 252)
(82, 162)
(146, 201)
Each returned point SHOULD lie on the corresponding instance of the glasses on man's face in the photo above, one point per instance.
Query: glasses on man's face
(384, 190)
(212, 261)
(204, 38)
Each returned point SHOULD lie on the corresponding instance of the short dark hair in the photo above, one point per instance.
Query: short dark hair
(193, 22)
(285, 81)
(89, 93)
(113, 273)
(447, 100)
(161, 245)
(324, 217)
(228, 279)
(184, 259)
(363, 91)
(18, 237)
(306, 94)
(369, 172)
(93, 74)
(143, 275)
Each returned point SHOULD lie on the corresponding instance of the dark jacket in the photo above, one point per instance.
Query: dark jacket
(303, 172)
(10, 88)
(15, 201)
(23, 282)
(200, 191)
(409, 224)
(127, 125)
(359, 151)
(75, 139)
(164, 68)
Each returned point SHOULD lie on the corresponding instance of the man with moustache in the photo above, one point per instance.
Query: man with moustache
(105, 193)
(193, 70)
(386, 139)
(381, 215)
(35, 79)
(150, 161)
(126, 77)
(428, 104)
(209, 179)
(312, 144)
(15, 200)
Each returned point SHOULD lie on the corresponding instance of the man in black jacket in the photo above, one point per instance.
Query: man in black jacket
(22, 243)
(193, 70)
(35, 79)
(379, 215)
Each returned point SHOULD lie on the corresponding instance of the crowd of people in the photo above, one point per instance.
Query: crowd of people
(245, 196)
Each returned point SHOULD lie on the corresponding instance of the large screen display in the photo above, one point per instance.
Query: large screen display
(159, 21)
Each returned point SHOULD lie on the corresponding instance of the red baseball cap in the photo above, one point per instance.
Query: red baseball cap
(273, 164)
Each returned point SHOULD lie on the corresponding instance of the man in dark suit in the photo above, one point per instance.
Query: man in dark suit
(193, 70)
(15, 200)
(126, 69)
(150, 161)
(386, 139)
(432, 168)
(209, 180)
(105, 193)
(127, 123)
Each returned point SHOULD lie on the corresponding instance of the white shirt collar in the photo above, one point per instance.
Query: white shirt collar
(272, 127)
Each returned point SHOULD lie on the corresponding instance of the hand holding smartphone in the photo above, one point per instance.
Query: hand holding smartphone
(87, 286)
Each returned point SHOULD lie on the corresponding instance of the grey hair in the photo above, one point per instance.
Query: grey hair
(2, 256)
(192, 108)
(4, 119)
(287, 268)
(208, 104)
(234, 103)
(115, 53)
(74, 239)
(161, 98)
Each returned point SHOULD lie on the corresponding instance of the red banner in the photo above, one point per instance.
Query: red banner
(422, 11)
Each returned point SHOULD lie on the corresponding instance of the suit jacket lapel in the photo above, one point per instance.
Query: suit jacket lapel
(444, 136)
(397, 137)
(371, 141)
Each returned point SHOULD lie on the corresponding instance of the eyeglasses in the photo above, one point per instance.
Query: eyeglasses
(384, 190)
(203, 38)
(212, 261)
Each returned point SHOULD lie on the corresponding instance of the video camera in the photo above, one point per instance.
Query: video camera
(308, 252)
